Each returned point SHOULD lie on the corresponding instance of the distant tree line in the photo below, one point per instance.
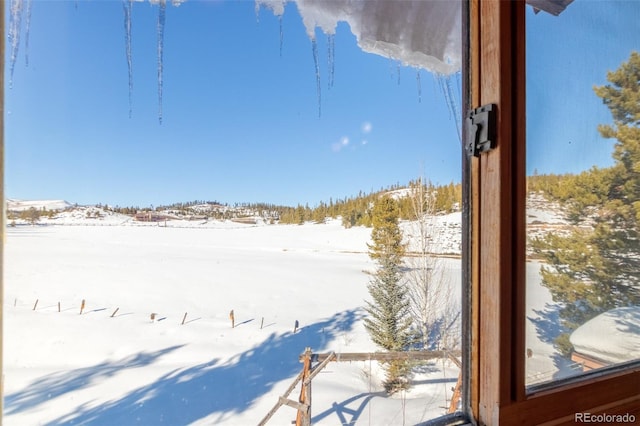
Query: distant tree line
(31, 215)
(357, 210)
(354, 210)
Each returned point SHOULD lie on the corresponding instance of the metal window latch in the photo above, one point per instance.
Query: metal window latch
(481, 130)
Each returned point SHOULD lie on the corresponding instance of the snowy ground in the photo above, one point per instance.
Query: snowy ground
(94, 368)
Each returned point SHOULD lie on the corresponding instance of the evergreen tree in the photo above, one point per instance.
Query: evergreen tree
(388, 321)
(598, 269)
(32, 215)
(386, 235)
(299, 215)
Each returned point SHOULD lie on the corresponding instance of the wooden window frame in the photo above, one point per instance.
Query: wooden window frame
(497, 391)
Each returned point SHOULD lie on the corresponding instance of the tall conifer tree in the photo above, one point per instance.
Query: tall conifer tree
(598, 269)
(389, 322)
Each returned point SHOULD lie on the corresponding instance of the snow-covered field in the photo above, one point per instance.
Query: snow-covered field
(67, 368)
(124, 369)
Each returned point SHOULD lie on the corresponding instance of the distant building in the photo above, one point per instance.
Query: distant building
(151, 217)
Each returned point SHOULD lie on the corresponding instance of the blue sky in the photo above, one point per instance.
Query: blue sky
(240, 122)
(566, 57)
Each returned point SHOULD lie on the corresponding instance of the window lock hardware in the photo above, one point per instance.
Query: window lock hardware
(481, 135)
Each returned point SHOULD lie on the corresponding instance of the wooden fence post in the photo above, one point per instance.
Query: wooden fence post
(304, 415)
(114, 312)
(184, 318)
(232, 317)
(35, 304)
(82, 306)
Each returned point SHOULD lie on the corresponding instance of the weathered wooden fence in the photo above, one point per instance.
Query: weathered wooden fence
(303, 405)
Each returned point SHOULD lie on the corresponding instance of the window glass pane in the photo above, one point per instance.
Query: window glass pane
(192, 197)
(583, 189)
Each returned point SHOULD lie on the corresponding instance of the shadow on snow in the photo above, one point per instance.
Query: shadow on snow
(58, 384)
(547, 323)
(346, 414)
(209, 389)
(548, 327)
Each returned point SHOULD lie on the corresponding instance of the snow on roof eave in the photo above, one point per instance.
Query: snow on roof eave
(554, 7)
(410, 59)
(418, 33)
(421, 34)
(613, 336)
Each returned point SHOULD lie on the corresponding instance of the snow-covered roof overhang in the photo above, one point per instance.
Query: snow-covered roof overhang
(613, 336)
(554, 7)
(417, 33)
(424, 34)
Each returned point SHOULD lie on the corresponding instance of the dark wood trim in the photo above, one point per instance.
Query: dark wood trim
(519, 242)
(474, 189)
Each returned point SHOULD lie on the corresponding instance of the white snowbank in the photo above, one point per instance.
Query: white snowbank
(613, 336)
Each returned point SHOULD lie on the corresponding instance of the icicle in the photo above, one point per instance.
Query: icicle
(455, 110)
(440, 79)
(26, 33)
(128, 6)
(314, 47)
(419, 85)
(281, 33)
(331, 55)
(161, 20)
(447, 91)
(15, 27)
(277, 7)
(256, 9)
(458, 85)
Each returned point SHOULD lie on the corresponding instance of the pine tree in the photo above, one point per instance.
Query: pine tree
(598, 269)
(386, 235)
(388, 321)
(32, 215)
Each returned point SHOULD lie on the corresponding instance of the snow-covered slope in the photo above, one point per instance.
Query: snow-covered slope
(22, 205)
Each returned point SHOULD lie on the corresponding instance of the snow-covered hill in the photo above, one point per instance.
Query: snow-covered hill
(196, 216)
(444, 230)
(22, 205)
